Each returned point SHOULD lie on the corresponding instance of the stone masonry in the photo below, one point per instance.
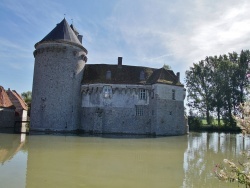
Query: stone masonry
(68, 95)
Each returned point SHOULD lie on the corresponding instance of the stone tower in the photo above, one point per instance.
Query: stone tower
(56, 97)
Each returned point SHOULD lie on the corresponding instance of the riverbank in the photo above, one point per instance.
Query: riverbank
(215, 128)
(200, 125)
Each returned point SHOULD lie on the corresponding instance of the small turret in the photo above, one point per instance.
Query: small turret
(76, 33)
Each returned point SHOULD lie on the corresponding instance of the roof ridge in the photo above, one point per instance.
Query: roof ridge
(170, 74)
(19, 99)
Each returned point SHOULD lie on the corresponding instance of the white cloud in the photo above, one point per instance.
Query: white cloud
(189, 30)
(145, 32)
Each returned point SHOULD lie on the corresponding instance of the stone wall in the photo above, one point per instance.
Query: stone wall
(159, 113)
(7, 117)
(115, 120)
(169, 110)
(56, 95)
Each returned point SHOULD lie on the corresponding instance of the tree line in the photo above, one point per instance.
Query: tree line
(217, 85)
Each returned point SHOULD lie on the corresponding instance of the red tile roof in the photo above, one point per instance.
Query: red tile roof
(16, 99)
(4, 99)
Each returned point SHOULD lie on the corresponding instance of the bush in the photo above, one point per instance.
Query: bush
(194, 123)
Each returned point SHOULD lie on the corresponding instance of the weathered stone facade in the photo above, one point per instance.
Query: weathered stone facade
(56, 96)
(7, 117)
(125, 110)
(58, 71)
(68, 96)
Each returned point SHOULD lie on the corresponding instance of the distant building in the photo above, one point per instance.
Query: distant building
(99, 98)
(21, 111)
(7, 110)
(12, 108)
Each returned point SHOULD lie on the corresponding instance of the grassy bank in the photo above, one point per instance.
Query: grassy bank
(197, 124)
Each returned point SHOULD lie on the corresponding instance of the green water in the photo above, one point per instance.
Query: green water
(77, 161)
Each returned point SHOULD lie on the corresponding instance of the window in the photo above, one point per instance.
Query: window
(142, 76)
(107, 91)
(143, 95)
(108, 75)
(139, 111)
(173, 94)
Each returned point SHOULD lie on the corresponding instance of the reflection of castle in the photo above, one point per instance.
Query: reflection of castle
(100, 98)
(72, 161)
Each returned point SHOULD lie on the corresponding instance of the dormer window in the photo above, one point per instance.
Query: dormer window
(107, 91)
(142, 76)
(108, 75)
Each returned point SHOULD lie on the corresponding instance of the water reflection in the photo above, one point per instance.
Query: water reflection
(74, 161)
(13, 158)
(105, 162)
(10, 145)
(204, 151)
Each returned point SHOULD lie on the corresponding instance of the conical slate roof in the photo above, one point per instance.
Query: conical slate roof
(62, 31)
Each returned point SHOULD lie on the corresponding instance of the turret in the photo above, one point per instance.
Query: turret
(56, 98)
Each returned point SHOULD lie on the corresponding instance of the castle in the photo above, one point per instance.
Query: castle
(68, 95)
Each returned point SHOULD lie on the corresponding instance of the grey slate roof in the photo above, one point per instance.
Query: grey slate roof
(96, 73)
(74, 29)
(62, 31)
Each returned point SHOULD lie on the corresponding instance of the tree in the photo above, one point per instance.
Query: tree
(243, 62)
(232, 171)
(27, 96)
(217, 91)
(198, 82)
(238, 172)
(167, 67)
(216, 85)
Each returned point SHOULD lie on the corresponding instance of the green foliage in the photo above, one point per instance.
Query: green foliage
(27, 96)
(231, 171)
(167, 67)
(194, 123)
(238, 172)
(217, 85)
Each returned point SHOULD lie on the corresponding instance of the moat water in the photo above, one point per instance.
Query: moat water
(104, 162)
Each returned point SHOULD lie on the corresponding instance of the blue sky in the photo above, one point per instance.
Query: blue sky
(144, 32)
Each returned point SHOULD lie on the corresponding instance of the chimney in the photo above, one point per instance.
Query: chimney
(119, 62)
(79, 38)
(178, 76)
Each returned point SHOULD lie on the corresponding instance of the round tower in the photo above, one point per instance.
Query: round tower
(58, 71)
